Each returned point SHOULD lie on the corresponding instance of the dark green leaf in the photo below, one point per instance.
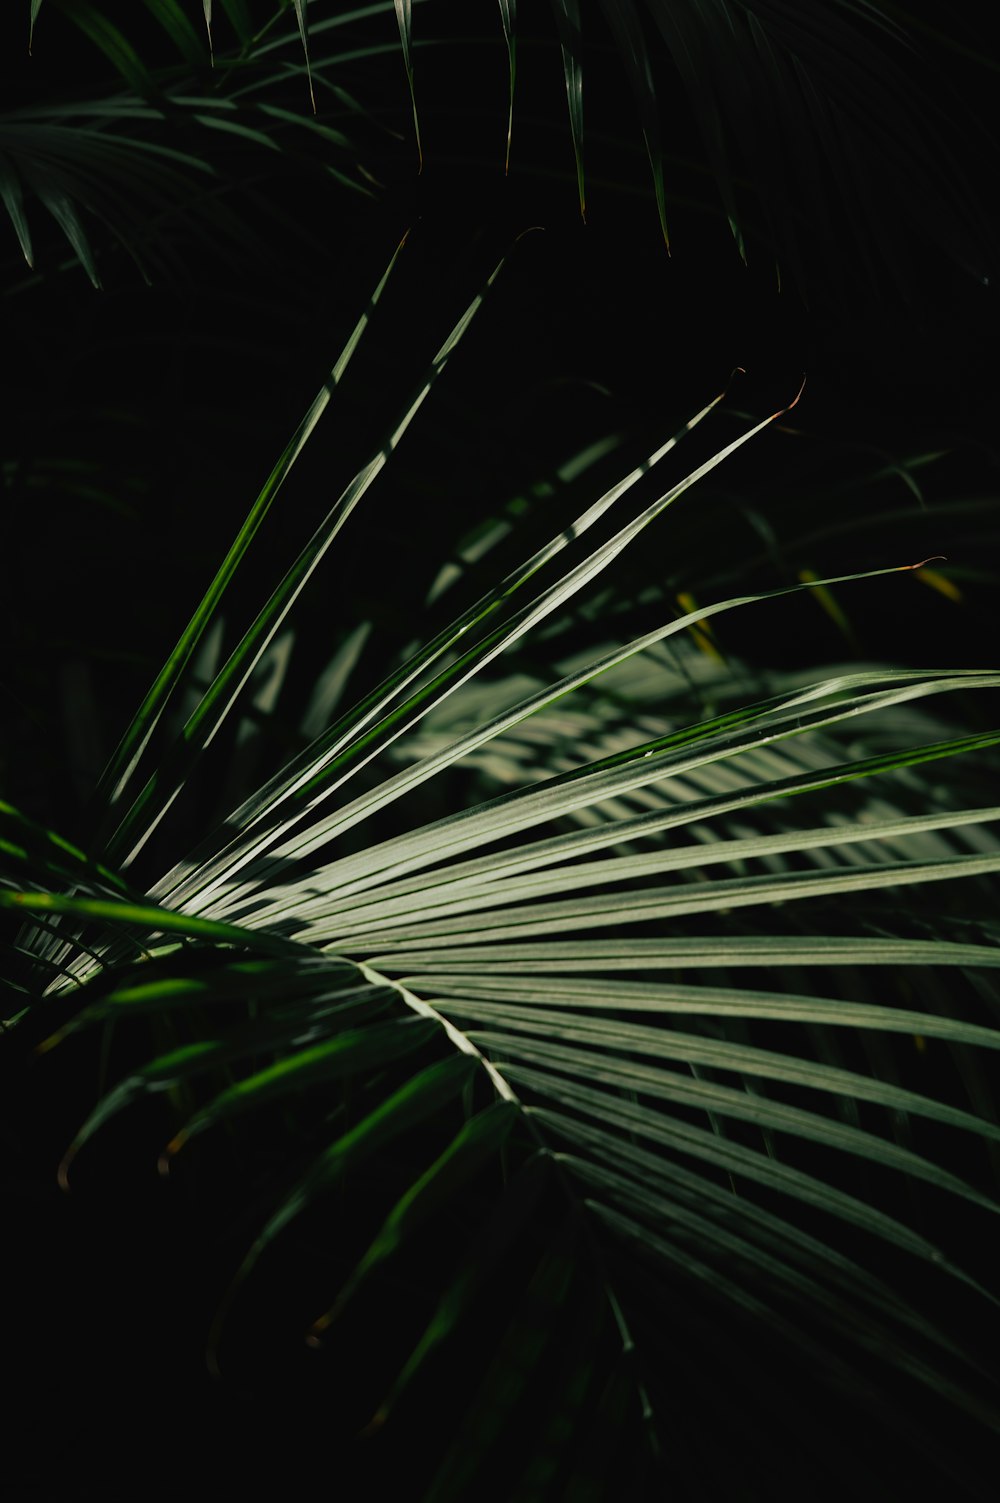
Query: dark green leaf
(567, 14)
(404, 18)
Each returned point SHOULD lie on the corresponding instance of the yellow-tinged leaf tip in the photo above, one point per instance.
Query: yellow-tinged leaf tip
(173, 1147)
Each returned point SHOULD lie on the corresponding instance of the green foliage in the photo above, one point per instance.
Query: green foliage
(614, 1008)
(805, 119)
(672, 1115)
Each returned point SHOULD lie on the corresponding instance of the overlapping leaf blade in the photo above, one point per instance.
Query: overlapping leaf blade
(500, 938)
(136, 738)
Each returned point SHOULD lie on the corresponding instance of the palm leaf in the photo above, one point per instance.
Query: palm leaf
(788, 98)
(97, 158)
(508, 15)
(126, 758)
(456, 991)
(404, 16)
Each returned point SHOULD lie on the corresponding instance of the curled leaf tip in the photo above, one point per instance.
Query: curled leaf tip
(935, 558)
(529, 231)
(795, 400)
(737, 370)
(62, 1173)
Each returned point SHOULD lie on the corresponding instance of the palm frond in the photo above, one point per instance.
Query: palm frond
(804, 113)
(751, 1134)
(794, 100)
(134, 162)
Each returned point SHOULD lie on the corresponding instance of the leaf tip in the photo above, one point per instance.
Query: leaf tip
(169, 1153)
(530, 230)
(62, 1173)
(316, 1332)
(795, 400)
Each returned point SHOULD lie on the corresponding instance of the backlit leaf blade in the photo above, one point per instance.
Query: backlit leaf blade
(726, 1101)
(51, 859)
(13, 199)
(703, 1145)
(582, 994)
(538, 869)
(36, 6)
(404, 18)
(300, 16)
(62, 209)
(626, 27)
(144, 917)
(723, 738)
(545, 604)
(683, 954)
(304, 770)
(567, 16)
(348, 888)
(202, 726)
(645, 905)
(615, 1037)
(508, 14)
(133, 744)
(719, 1213)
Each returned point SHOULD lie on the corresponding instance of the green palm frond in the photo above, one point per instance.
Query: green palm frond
(136, 163)
(77, 171)
(639, 1039)
(808, 116)
(790, 102)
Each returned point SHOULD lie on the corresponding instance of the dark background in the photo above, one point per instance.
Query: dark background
(172, 401)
